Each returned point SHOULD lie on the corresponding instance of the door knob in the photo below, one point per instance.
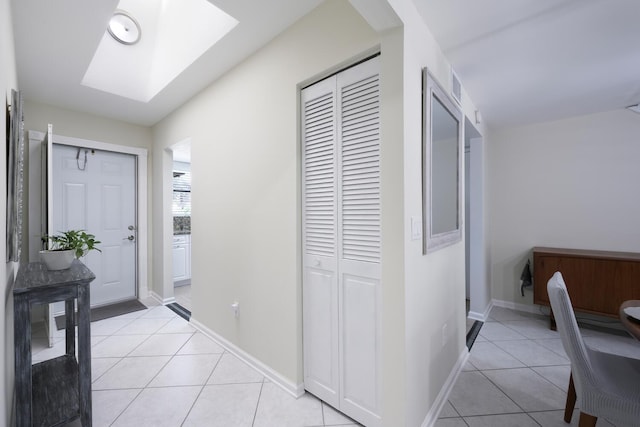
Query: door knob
(130, 238)
(131, 228)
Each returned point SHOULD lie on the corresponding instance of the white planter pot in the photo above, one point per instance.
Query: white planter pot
(58, 260)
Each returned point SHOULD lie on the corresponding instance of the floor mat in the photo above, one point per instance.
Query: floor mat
(112, 310)
(473, 333)
(179, 310)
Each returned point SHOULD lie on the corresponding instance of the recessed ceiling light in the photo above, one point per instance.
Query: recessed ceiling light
(124, 28)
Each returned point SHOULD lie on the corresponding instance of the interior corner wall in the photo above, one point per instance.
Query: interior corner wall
(8, 81)
(162, 226)
(245, 168)
(434, 283)
(95, 128)
(570, 184)
(392, 212)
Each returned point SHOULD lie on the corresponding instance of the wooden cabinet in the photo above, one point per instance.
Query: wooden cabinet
(597, 281)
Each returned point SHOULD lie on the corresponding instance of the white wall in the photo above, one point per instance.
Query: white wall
(570, 184)
(245, 180)
(434, 283)
(8, 81)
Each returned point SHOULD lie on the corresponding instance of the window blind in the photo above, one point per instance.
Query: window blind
(181, 204)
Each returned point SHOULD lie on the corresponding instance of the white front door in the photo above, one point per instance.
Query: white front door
(95, 190)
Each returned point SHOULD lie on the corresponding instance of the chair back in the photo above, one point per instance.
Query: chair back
(569, 333)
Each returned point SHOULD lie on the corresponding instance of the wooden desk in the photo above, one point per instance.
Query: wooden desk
(630, 324)
(58, 390)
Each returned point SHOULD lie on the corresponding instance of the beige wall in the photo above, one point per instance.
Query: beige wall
(246, 218)
(85, 126)
(394, 377)
(246, 242)
(8, 81)
(568, 184)
(245, 185)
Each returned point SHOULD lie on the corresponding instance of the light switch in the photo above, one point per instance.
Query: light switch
(416, 228)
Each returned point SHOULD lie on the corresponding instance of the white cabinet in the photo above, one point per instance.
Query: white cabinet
(181, 258)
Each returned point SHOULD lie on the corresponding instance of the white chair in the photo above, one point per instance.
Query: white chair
(605, 385)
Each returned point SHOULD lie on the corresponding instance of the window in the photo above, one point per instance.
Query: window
(181, 205)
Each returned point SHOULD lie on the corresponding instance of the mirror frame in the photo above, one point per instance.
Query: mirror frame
(432, 89)
(15, 177)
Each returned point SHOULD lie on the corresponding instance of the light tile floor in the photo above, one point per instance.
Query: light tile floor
(182, 294)
(517, 374)
(152, 368)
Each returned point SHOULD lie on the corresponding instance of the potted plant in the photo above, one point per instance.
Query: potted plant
(63, 247)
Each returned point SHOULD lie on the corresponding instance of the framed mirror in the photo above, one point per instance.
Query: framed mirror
(442, 140)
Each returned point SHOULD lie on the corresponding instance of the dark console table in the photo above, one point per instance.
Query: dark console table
(58, 390)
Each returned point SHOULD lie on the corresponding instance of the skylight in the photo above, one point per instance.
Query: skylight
(174, 33)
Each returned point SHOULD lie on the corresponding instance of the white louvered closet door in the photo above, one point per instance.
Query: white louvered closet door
(341, 232)
(320, 248)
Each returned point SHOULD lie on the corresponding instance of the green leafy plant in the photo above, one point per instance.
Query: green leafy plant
(79, 241)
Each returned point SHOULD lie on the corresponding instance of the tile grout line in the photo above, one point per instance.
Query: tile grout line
(255, 413)
(123, 358)
(498, 387)
(127, 405)
(527, 367)
(206, 382)
(322, 412)
(547, 381)
(186, 416)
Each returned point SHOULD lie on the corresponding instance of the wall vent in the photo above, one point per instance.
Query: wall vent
(456, 88)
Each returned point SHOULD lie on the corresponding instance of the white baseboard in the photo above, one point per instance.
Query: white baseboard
(527, 308)
(582, 318)
(481, 316)
(445, 391)
(296, 390)
(160, 300)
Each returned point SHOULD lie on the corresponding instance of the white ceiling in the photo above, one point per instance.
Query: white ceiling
(56, 40)
(520, 61)
(176, 33)
(527, 61)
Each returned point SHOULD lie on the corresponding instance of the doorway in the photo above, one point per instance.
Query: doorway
(40, 152)
(181, 220)
(478, 295)
(95, 190)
